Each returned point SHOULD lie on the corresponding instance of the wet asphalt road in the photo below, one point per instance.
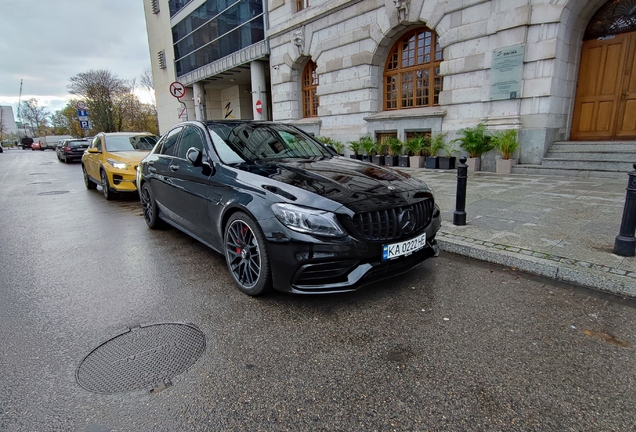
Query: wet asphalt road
(453, 345)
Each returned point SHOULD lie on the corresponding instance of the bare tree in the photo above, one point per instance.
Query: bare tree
(104, 93)
(35, 115)
(146, 80)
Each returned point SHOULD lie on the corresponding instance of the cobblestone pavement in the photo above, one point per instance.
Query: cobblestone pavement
(559, 227)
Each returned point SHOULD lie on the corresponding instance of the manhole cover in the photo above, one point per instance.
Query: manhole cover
(53, 193)
(143, 357)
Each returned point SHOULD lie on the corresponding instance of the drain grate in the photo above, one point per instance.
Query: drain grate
(143, 357)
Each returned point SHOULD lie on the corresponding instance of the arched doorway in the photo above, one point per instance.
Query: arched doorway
(605, 107)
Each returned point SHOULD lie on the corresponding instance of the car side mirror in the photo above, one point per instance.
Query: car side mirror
(93, 150)
(194, 155)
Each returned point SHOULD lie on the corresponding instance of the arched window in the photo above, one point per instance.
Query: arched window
(310, 85)
(411, 75)
(615, 17)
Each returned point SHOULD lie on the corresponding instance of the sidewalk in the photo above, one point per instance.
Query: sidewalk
(559, 227)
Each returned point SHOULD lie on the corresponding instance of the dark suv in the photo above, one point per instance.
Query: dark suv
(71, 150)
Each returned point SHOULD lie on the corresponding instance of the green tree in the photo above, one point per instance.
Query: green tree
(104, 93)
(66, 122)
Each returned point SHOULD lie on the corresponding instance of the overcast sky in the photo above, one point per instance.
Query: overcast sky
(46, 42)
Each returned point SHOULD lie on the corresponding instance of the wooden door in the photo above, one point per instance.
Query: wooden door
(626, 128)
(605, 107)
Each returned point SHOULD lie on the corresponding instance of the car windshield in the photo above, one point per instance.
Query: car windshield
(76, 143)
(241, 142)
(119, 143)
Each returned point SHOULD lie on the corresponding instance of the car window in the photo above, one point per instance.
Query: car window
(76, 143)
(97, 143)
(191, 137)
(167, 145)
(262, 141)
(117, 143)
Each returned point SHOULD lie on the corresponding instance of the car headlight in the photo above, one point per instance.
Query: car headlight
(307, 220)
(117, 164)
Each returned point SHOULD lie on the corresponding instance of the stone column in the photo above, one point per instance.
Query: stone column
(199, 101)
(259, 90)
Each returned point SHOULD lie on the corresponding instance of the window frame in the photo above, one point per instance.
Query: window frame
(409, 48)
(309, 88)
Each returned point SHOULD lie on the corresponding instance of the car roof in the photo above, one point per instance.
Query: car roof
(124, 133)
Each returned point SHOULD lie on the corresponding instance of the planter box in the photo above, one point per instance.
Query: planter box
(447, 162)
(504, 166)
(378, 160)
(432, 162)
(391, 160)
(474, 164)
(403, 161)
(357, 157)
(416, 161)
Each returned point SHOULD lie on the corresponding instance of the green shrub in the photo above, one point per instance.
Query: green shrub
(475, 140)
(505, 141)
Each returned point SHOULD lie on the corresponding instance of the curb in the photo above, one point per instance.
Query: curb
(589, 275)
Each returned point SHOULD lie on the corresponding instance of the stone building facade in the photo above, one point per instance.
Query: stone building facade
(329, 69)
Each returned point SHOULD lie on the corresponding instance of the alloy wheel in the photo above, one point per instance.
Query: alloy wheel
(243, 254)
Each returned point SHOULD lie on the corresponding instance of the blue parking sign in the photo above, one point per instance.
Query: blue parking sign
(82, 113)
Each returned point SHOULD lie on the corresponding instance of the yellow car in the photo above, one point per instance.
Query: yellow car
(112, 158)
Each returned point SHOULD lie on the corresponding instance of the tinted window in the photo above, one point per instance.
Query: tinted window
(191, 137)
(168, 142)
(76, 143)
(253, 142)
(118, 143)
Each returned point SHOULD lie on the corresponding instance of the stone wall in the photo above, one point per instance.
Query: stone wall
(349, 42)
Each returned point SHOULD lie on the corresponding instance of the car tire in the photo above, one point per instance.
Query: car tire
(149, 208)
(108, 193)
(87, 181)
(246, 255)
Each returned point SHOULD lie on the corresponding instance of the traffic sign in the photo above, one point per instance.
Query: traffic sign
(81, 105)
(82, 114)
(177, 90)
(259, 106)
(85, 124)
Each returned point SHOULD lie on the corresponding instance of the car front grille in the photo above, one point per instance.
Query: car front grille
(395, 223)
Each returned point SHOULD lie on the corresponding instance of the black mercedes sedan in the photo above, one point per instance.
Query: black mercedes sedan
(285, 210)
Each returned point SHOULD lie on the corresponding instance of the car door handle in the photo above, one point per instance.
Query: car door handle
(152, 169)
(151, 163)
(174, 167)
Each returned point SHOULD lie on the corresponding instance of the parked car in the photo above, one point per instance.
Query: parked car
(26, 142)
(287, 212)
(111, 160)
(70, 150)
(36, 146)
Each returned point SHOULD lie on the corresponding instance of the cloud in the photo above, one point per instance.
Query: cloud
(45, 43)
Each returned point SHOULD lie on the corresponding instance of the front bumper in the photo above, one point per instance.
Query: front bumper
(305, 265)
(122, 180)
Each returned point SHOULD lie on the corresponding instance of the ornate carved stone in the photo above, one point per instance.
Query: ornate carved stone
(402, 7)
(298, 37)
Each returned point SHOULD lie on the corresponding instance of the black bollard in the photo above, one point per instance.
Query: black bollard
(459, 217)
(625, 243)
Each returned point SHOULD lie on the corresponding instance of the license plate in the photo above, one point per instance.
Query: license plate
(404, 248)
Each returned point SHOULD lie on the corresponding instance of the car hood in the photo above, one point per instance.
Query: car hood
(133, 156)
(360, 186)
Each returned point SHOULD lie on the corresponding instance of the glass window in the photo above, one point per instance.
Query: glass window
(301, 4)
(191, 137)
(412, 71)
(117, 143)
(167, 145)
(310, 87)
(215, 30)
(97, 143)
(615, 17)
(241, 142)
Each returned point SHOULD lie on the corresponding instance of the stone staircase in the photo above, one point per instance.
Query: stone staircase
(585, 159)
